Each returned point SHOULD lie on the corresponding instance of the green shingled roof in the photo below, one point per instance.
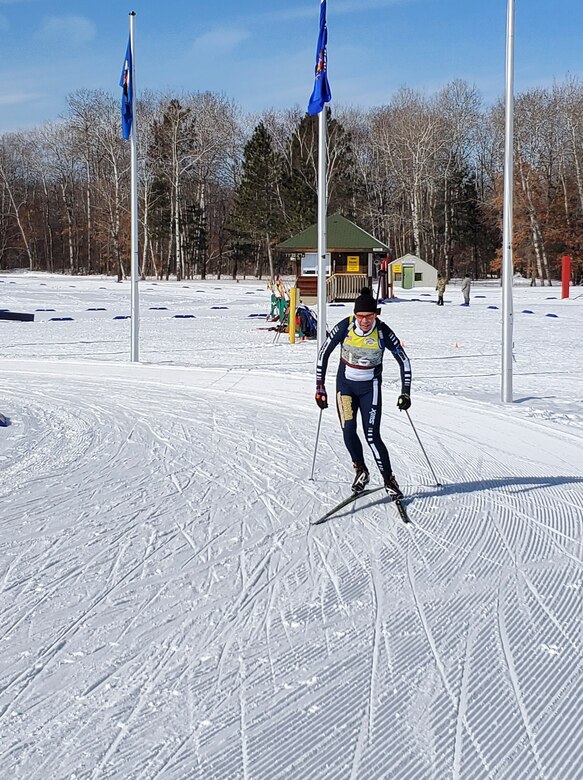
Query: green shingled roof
(343, 236)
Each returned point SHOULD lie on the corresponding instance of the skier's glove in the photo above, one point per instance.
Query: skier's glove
(321, 397)
(404, 402)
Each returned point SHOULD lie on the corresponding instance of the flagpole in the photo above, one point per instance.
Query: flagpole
(135, 303)
(507, 269)
(322, 234)
(321, 95)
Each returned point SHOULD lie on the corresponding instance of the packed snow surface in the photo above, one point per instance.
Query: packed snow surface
(168, 611)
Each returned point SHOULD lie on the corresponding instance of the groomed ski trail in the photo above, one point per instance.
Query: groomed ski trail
(168, 612)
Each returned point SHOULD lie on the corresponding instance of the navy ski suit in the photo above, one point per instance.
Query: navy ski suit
(358, 383)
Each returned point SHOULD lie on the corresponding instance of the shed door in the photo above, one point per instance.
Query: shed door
(408, 277)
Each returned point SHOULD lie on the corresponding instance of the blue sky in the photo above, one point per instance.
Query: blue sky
(262, 53)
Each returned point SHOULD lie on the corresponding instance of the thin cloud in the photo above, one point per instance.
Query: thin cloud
(355, 6)
(76, 30)
(221, 39)
(16, 98)
(287, 15)
(343, 7)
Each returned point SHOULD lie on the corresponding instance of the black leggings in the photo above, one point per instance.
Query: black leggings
(366, 396)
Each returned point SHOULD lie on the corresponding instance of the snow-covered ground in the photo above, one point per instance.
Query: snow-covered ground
(168, 611)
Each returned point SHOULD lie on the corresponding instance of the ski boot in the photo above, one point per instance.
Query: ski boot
(392, 486)
(361, 479)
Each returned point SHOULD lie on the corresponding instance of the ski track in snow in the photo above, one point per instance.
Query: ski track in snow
(165, 582)
(168, 612)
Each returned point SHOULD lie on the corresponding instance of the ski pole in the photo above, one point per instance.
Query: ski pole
(316, 447)
(437, 482)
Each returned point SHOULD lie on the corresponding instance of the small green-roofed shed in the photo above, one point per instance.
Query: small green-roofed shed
(343, 236)
(351, 254)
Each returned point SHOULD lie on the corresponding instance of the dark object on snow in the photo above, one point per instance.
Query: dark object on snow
(527, 311)
(159, 308)
(184, 316)
(44, 310)
(4, 421)
(121, 317)
(492, 307)
(16, 315)
(96, 308)
(219, 307)
(61, 319)
(308, 322)
(551, 315)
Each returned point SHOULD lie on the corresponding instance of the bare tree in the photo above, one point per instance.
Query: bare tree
(15, 179)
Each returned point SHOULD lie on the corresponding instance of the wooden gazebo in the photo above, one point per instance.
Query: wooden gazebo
(351, 255)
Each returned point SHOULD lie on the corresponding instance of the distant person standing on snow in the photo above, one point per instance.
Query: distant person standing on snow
(533, 277)
(440, 287)
(466, 284)
(363, 339)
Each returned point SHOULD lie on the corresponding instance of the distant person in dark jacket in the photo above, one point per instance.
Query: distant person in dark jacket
(440, 287)
(466, 285)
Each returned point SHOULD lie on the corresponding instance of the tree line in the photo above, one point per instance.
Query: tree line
(219, 189)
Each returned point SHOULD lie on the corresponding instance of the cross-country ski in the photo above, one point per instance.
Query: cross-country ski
(351, 499)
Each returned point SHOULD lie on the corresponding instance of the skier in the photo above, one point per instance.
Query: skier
(363, 338)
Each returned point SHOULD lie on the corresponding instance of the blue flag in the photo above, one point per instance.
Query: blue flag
(127, 95)
(321, 93)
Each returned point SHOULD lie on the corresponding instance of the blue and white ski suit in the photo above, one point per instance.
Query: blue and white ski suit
(358, 383)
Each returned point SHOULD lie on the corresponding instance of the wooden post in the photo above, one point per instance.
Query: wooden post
(293, 302)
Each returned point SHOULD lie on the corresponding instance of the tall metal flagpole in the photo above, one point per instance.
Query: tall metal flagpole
(322, 233)
(507, 269)
(321, 95)
(135, 270)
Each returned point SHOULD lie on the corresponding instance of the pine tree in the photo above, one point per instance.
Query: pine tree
(257, 215)
(300, 178)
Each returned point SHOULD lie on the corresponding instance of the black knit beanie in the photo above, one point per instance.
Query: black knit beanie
(365, 303)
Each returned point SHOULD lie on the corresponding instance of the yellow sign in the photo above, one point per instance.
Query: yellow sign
(397, 269)
(353, 264)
